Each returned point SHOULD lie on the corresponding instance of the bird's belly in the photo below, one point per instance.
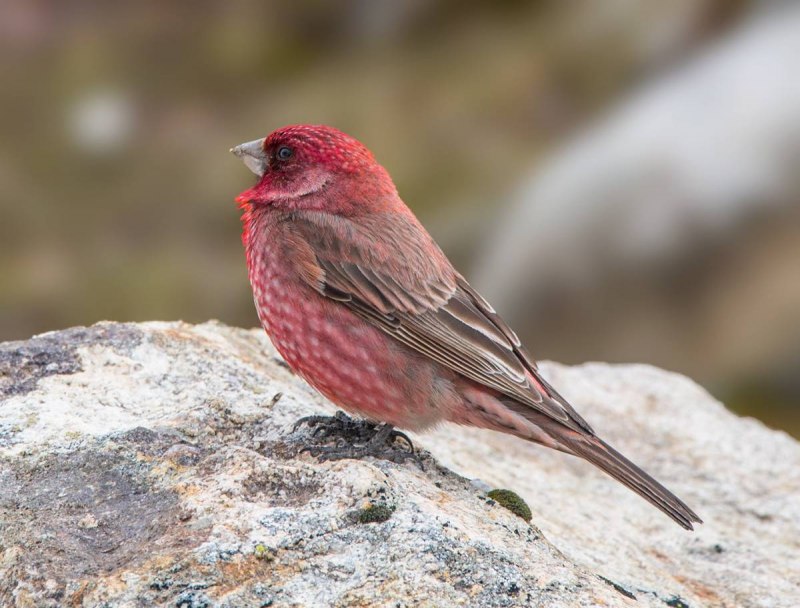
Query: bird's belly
(355, 365)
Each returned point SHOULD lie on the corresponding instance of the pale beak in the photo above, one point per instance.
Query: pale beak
(253, 155)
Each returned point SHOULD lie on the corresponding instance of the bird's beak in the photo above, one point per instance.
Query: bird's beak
(252, 154)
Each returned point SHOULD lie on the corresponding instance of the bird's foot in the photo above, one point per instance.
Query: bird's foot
(356, 439)
(340, 426)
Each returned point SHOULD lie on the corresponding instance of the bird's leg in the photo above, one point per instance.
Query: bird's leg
(356, 439)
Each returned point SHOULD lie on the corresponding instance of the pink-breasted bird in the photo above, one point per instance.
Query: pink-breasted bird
(362, 303)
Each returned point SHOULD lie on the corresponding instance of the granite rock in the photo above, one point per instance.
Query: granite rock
(155, 464)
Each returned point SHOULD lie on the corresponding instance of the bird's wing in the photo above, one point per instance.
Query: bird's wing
(394, 276)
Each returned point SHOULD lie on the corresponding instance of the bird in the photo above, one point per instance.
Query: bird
(361, 302)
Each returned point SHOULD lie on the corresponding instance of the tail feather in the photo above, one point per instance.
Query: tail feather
(590, 447)
(603, 456)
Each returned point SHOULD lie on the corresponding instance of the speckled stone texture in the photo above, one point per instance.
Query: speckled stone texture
(155, 465)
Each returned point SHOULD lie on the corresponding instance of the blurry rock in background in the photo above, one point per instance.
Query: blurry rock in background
(116, 185)
(673, 227)
(101, 122)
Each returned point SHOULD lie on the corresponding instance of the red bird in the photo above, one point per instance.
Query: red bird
(361, 302)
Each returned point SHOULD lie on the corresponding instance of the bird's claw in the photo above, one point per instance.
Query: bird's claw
(356, 439)
(341, 451)
(312, 421)
(340, 424)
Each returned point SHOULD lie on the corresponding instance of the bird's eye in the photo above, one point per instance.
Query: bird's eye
(285, 153)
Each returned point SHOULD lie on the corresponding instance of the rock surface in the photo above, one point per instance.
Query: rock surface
(155, 465)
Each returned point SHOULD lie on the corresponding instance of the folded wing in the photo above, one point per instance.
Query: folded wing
(384, 272)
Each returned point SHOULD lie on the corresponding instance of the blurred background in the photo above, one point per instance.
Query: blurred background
(620, 178)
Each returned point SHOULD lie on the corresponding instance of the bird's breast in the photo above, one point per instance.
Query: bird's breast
(351, 362)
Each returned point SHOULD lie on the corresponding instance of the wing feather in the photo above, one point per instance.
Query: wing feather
(420, 300)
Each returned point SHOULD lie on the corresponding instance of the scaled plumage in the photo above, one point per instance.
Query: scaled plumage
(360, 301)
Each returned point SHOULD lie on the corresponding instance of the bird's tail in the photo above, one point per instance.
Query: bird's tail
(603, 456)
(579, 440)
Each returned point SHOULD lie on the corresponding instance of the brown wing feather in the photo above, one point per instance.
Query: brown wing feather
(418, 299)
(523, 354)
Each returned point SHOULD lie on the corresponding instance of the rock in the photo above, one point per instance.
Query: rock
(154, 464)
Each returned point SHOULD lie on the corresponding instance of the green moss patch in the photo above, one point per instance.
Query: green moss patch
(262, 552)
(511, 501)
(374, 514)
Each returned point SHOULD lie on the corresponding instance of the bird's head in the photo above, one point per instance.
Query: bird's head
(312, 167)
